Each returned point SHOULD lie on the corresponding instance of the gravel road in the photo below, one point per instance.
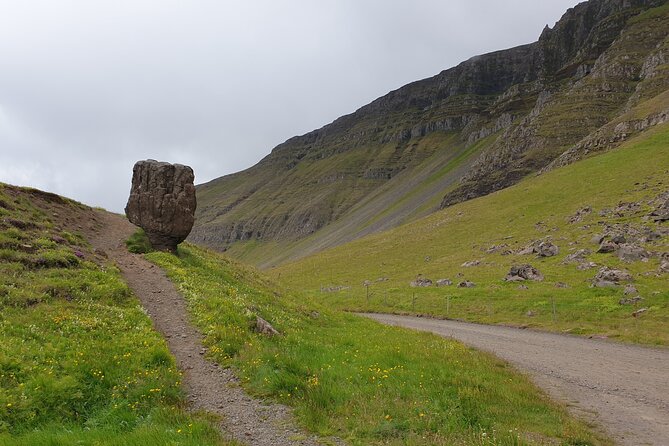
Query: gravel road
(624, 389)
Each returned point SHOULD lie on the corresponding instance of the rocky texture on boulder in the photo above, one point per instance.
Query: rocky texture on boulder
(577, 256)
(547, 249)
(661, 212)
(607, 247)
(264, 327)
(521, 273)
(664, 266)
(444, 282)
(543, 248)
(466, 284)
(629, 252)
(630, 300)
(162, 202)
(579, 215)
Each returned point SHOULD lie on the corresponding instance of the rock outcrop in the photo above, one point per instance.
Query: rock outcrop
(521, 273)
(162, 202)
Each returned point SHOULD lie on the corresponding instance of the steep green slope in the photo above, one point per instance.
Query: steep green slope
(353, 378)
(79, 360)
(489, 122)
(615, 192)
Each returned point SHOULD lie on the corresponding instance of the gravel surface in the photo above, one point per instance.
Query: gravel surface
(623, 389)
(208, 386)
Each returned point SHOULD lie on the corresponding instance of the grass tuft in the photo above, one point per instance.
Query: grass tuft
(139, 243)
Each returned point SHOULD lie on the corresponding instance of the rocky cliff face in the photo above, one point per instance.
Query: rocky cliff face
(501, 115)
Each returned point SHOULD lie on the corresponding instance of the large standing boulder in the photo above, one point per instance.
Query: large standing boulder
(162, 202)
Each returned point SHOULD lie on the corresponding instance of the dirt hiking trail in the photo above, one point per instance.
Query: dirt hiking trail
(622, 388)
(208, 386)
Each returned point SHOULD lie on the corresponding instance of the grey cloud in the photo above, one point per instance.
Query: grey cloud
(88, 88)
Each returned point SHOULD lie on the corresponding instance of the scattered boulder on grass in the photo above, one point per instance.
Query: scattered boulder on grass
(661, 211)
(604, 284)
(466, 284)
(578, 216)
(597, 239)
(630, 300)
(547, 249)
(664, 266)
(619, 239)
(561, 285)
(503, 249)
(421, 282)
(629, 252)
(265, 328)
(608, 277)
(521, 273)
(444, 282)
(334, 289)
(543, 248)
(586, 265)
(577, 256)
(529, 249)
(606, 247)
(625, 209)
(639, 312)
(630, 290)
(162, 202)
(471, 263)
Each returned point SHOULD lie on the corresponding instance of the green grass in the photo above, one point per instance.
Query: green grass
(536, 208)
(356, 379)
(79, 360)
(139, 243)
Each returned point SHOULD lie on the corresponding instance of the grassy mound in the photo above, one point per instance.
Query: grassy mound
(79, 360)
(353, 378)
(615, 193)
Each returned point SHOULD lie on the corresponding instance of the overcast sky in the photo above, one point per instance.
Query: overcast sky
(88, 87)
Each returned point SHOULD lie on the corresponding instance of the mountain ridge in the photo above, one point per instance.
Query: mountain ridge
(524, 106)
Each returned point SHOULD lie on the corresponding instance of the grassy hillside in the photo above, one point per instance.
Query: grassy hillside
(79, 360)
(415, 192)
(489, 122)
(620, 187)
(353, 378)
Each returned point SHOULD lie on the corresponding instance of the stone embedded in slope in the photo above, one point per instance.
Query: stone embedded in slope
(629, 252)
(547, 249)
(265, 328)
(444, 282)
(421, 282)
(661, 212)
(615, 276)
(523, 272)
(162, 202)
